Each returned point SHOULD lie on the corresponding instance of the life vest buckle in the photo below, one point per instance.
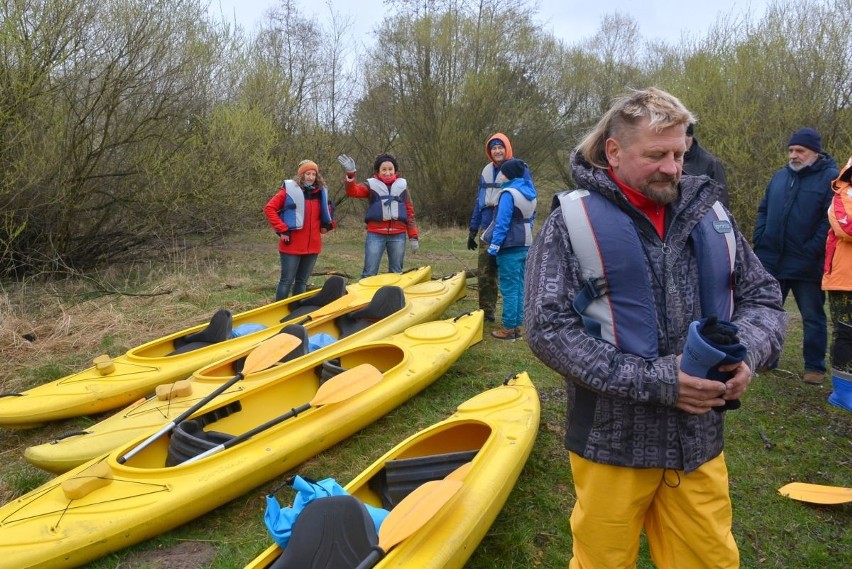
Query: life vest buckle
(595, 287)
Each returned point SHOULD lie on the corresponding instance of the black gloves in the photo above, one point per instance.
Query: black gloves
(717, 332)
(709, 343)
(471, 240)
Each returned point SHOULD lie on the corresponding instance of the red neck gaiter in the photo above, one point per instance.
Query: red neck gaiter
(655, 212)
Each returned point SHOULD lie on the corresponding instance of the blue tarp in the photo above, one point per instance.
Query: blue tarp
(279, 521)
(319, 340)
(246, 328)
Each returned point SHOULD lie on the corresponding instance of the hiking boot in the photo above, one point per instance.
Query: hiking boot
(510, 334)
(489, 317)
(814, 377)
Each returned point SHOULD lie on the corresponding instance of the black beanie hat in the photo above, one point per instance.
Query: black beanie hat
(513, 168)
(385, 158)
(807, 137)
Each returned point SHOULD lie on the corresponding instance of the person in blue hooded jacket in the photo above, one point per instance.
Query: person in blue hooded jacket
(498, 148)
(790, 234)
(509, 237)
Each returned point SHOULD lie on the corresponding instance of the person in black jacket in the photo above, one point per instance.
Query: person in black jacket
(698, 162)
(790, 234)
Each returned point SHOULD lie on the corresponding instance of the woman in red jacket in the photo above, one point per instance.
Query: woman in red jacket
(299, 213)
(389, 216)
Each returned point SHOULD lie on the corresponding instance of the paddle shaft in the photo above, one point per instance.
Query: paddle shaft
(262, 356)
(250, 433)
(376, 555)
(339, 388)
(180, 418)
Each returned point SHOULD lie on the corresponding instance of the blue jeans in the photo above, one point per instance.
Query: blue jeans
(375, 246)
(511, 265)
(295, 272)
(810, 299)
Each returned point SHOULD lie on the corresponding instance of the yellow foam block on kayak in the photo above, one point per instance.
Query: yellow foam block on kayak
(104, 364)
(168, 391)
(96, 476)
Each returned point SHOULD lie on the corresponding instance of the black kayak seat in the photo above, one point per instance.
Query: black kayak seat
(218, 330)
(333, 288)
(302, 334)
(334, 532)
(329, 369)
(402, 476)
(190, 439)
(294, 330)
(387, 300)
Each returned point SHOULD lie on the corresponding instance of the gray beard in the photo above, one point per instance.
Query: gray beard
(796, 168)
(662, 197)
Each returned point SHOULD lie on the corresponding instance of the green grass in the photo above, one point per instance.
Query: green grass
(784, 432)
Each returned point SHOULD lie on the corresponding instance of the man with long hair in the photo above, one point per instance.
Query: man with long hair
(621, 270)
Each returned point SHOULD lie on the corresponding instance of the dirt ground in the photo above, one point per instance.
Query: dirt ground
(185, 555)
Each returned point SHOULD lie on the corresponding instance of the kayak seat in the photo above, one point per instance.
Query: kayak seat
(387, 300)
(217, 331)
(333, 288)
(333, 532)
(302, 334)
(329, 369)
(402, 476)
(294, 330)
(190, 439)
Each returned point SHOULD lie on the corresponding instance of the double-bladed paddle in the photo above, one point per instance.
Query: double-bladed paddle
(343, 386)
(816, 493)
(261, 357)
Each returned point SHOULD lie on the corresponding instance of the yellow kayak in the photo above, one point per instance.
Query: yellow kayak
(111, 383)
(105, 505)
(477, 454)
(422, 302)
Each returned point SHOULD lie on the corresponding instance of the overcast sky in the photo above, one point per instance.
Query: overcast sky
(571, 20)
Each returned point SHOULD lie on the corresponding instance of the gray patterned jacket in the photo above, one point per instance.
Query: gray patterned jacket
(620, 407)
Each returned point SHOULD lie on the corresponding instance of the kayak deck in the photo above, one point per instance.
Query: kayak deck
(112, 383)
(89, 512)
(485, 444)
(424, 302)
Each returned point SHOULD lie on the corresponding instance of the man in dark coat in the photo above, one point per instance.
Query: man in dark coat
(699, 162)
(789, 238)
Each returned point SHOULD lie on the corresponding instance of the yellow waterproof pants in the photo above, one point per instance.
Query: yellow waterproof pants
(686, 517)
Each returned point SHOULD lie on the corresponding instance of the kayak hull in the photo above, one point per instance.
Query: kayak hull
(501, 426)
(104, 505)
(112, 383)
(425, 301)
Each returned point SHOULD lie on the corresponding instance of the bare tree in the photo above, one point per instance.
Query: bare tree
(98, 97)
(442, 95)
(753, 82)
